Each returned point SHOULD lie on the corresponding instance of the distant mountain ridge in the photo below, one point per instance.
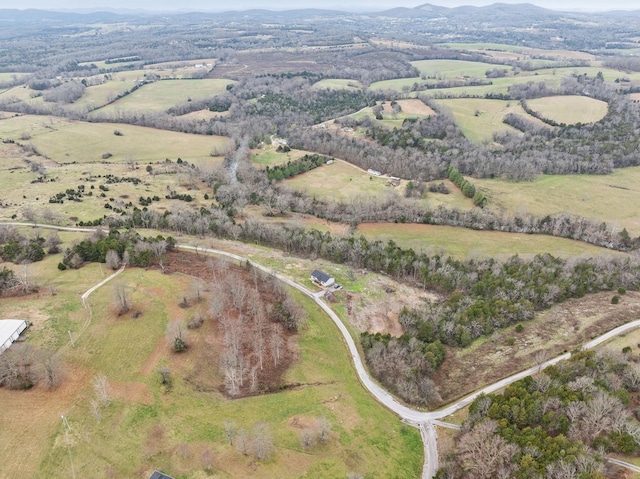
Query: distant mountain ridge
(495, 12)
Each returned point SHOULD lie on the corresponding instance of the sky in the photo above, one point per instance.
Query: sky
(351, 5)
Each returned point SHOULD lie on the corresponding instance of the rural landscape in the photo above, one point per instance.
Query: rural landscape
(320, 244)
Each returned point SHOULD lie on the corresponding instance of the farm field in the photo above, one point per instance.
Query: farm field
(410, 108)
(65, 141)
(161, 95)
(612, 198)
(171, 430)
(442, 69)
(465, 243)
(341, 181)
(479, 119)
(569, 109)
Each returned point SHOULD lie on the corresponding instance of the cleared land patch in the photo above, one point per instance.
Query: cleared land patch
(341, 181)
(67, 141)
(161, 95)
(479, 119)
(463, 243)
(338, 84)
(569, 109)
(612, 198)
(561, 328)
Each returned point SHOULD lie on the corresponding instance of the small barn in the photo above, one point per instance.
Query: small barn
(10, 330)
(322, 278)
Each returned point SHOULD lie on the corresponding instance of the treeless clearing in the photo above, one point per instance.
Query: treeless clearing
(413, 106)
(463, 243)
(561, 328)
(612, 198)
(569, 109)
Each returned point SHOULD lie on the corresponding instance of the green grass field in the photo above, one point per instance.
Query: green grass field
(569, 109)
(164, 94)
(341, 181)
(144, 428)
(612, 198)
(479, 119)
(464, 243)
(66, 141)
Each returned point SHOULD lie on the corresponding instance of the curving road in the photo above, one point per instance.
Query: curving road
(425, 421)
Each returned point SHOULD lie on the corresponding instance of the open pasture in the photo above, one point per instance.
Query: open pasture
(479, 119)
(268, 156)
(65, 141)
(161, 95)
(569, 109)
(338, 84)
(612, 198)
(443, 69)
(464, 243)
(145, 427)
(342, 181)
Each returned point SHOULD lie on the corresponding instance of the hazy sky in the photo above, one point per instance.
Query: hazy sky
(370, 5)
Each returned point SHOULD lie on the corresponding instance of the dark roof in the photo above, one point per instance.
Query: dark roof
(159, 475)
(320, 276)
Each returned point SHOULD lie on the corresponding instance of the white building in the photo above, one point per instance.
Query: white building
(10, 330)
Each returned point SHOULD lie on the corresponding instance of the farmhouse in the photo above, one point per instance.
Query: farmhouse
(10, 330)
(322, 278)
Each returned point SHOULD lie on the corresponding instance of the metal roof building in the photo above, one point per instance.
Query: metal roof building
(10, 330)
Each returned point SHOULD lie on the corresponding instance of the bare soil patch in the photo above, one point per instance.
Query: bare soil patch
(561, 328)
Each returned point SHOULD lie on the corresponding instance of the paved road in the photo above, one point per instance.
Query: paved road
(626, 465)
(420, 419)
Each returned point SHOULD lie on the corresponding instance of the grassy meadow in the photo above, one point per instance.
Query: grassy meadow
(569, 109)
(161, 95)
(464, 243)
(341, 181)
(612, 198)
(479, 119)
(146, 428)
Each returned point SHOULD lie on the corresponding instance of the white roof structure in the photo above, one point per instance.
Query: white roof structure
(10, 330)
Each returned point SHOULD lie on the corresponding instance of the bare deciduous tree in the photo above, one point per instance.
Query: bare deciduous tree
(121, 298)
(177, 335)
(262, 442)
(101, 389)
(112, 258)
(229, 430)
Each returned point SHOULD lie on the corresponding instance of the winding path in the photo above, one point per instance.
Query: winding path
(425, 421)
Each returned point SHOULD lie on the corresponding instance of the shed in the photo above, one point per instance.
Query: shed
(10, 330)
(159, 475)
(322, 278)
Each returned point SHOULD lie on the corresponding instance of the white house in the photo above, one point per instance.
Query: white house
(322, 278)
(10, 330)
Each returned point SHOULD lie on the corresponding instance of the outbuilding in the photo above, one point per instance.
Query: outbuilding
(322, 278)
(10, 330)
(159, 475)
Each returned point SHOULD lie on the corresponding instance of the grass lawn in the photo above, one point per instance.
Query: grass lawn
(479, 119)
(569, 109)
(341, 181)
(161, 95)
(612, 198)
(145, 428)
(463, 243)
